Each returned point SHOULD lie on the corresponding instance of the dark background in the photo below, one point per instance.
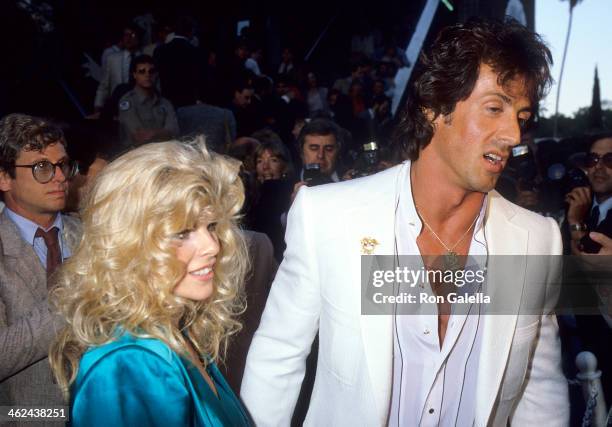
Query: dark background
(42, 70)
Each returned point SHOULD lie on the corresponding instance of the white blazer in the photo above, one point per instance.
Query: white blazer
(317, 288)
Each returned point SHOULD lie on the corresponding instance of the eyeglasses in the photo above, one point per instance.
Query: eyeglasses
(149, 71)
(593, 158)
(44, 171)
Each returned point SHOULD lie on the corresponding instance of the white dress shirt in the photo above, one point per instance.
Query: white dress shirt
(433, 386)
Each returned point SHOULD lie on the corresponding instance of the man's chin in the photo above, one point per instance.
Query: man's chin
(484, 186)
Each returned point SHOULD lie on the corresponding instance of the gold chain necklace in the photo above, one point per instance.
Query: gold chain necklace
(451, 260)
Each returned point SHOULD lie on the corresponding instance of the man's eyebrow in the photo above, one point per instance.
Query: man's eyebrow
(508, 100)
(42, 157)
(503, 97)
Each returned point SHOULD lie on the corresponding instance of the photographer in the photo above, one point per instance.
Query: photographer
(585, 212)
(320, 142)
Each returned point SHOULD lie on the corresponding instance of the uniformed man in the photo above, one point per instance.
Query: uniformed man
(144, 115)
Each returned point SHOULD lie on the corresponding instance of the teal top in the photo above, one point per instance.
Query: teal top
(143, 382)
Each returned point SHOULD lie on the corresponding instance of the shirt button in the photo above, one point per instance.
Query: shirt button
(431, 410)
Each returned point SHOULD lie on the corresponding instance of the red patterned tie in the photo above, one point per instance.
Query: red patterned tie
(54, 255)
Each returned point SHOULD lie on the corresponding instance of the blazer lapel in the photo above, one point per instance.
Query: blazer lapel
(375, 221)
(72, 232)
(503, 238)
(22, 256)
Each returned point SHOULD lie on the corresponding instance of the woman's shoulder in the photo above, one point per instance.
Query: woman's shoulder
(127, 347)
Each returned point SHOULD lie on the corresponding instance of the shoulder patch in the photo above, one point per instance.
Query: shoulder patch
(124, 105)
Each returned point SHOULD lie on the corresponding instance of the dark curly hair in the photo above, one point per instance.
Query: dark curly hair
(448, 73)
(22, 132)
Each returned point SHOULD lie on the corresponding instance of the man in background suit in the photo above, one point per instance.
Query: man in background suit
(34, 239)
(180, 66)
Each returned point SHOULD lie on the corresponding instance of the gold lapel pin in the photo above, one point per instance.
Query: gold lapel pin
(368, 244)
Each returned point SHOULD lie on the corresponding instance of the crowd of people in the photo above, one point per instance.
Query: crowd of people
(141, 249)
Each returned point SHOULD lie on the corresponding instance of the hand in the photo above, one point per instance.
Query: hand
(604, 241)
(296, 188)
(349, 174)
(592, 261)
(595, 263)
(579, 200)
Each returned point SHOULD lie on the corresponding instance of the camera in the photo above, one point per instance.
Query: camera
(367, 164)
(313, 175)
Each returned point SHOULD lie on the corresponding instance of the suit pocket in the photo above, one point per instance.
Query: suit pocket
(339, 349)
(521, 350)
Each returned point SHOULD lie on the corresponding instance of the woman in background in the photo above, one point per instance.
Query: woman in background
(276, 180)
(151, 295)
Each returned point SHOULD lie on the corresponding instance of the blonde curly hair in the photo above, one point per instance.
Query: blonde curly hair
(125, 269)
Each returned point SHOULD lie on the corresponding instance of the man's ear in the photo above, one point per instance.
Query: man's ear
(429, 114)
(6, 182)
(437, 119)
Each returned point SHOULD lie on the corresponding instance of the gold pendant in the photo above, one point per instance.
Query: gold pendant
(451, 261)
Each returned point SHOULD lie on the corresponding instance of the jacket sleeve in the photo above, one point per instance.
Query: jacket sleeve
(131, 386)
(27, 340)
(545, 398)
(276, 360)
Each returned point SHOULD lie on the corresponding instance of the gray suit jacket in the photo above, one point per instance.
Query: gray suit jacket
(27, 325)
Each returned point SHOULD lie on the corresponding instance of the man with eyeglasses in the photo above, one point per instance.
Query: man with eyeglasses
(144, 115)
(35, 238)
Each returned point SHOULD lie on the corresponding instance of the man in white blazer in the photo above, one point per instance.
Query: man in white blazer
(471, 95)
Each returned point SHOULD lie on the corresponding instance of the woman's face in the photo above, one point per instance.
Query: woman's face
(269, 166)
(198, 250)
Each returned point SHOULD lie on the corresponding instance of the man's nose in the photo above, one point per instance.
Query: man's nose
(320, 153)
(510, 132)
(59, 174)
(600, 164)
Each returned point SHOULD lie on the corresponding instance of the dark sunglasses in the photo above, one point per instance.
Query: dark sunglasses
(593, 158)
(149, 71)
(44, 171)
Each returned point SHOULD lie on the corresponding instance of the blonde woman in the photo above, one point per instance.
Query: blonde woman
(151, 294)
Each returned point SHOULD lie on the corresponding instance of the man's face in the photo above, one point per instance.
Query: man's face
(471, 146)
(287, 56)
(145, 76)
(321, 149)
(281, 89)
(29, 198)
(130, 39)
(599, 175)
(243, 98)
